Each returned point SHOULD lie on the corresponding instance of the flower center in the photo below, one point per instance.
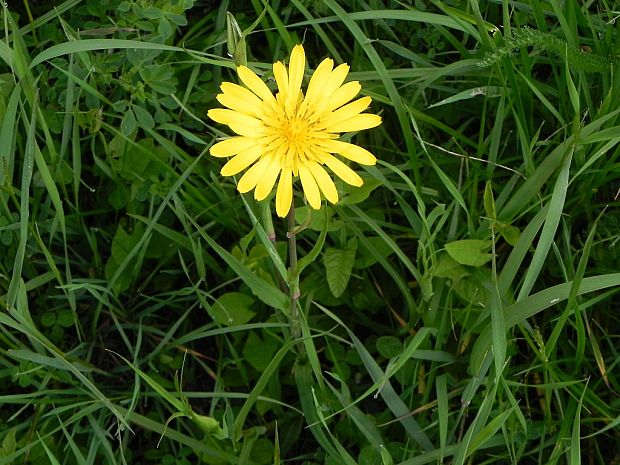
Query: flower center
(294, 131)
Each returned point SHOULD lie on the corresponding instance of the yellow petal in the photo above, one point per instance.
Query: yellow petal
(240, 162)
(240, 92)
(221, 115)
(330, 84)
(308, 183)
(267, 180)
(317, 81)
(232, 146)
(335, 79)
(242, 124)
(345, 113)
(296, 67)
(342, 171)
(357, 123)
(279, 72)
(324, 181)
(253, 175)
(351, 151)
(343, 94)
(284, 194)
(254, 83)
(242, 105)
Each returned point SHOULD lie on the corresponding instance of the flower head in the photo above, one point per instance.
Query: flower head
(292, 135)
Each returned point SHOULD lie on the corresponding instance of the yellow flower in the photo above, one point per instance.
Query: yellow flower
(292, 135)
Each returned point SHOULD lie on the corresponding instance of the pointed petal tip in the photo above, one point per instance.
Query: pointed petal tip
(298, 53)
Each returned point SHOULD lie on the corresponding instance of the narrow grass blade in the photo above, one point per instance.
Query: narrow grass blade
(304, 381)
(534, 304)
(7, 131)
(24, 206)
(469, 444)
(89, 45)
(259, 386)
(556, 206)
(260, 288)
(442, 413)
(572, 303)
(387, 392)
(390, 87)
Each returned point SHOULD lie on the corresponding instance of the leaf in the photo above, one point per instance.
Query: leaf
(231, 309)
(471, 252)
(172, 399)
(122, 244)
(262, 289)
(489, 202)
(9, 443)
(128, 123)
(367, 257)
(338, 266)
(159, 78)
(259, 352)
(447, 267)
(510, 233)
(389, 346)
(486, 91)
(318, 218)
(144, 117)
(65, 318)
(356, 194)
(386, 458)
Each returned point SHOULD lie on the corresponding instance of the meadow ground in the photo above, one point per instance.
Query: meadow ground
(460, 306)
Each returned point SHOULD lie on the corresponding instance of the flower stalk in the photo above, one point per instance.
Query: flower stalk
(293, 275)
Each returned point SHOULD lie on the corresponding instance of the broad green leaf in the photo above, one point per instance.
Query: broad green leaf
(65, 318)
(259, 352)
(8, 443)
(366, 257)
(123, 241)
(448, 267)
(356, 194)
(471, 252)
(122, 244)
(510, 233)
(338, 266)
(128, 123)
(231, 309)
(489, 202)
(143, 116)
(386, 458)
(389, 346)
(317, 218)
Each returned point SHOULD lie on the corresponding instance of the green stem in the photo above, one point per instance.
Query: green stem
(293, 274)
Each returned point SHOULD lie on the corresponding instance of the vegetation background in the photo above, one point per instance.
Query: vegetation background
(464, 307)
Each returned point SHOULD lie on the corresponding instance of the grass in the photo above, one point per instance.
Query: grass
(460, 307)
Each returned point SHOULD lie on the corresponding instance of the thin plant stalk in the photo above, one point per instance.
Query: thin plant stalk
(293, 276)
